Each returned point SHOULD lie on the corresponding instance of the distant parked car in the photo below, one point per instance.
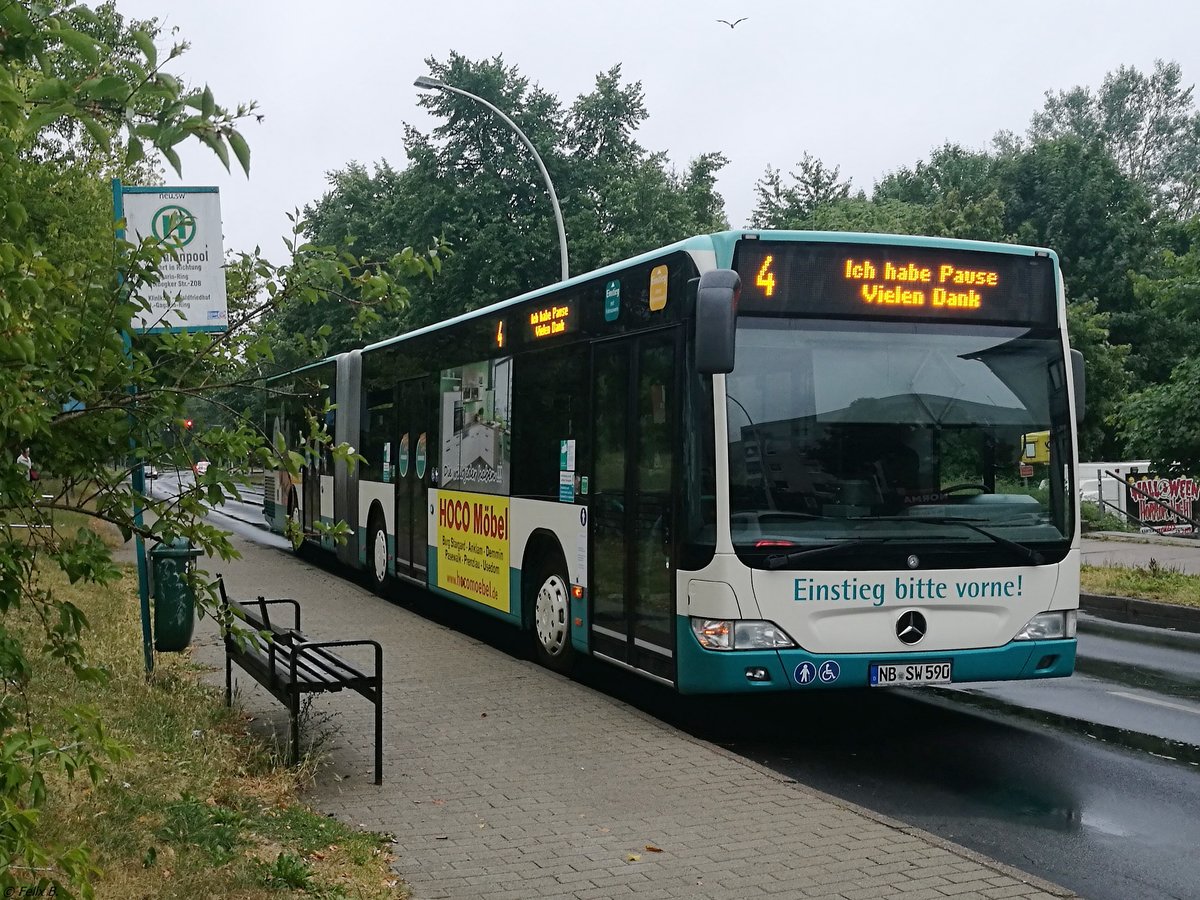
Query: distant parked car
(200, 466)
(149, 470)
(1089, 490)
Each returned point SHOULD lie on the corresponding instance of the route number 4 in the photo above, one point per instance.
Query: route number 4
(766, 278)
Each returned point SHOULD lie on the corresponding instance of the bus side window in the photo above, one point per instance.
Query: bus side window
(549, 405)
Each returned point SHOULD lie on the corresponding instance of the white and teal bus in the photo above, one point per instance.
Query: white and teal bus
(748, 461)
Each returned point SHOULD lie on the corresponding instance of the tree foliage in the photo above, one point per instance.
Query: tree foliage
(1105, 177)
(85, 96)
(1162, 422)
(1147, 124)
(473, 182)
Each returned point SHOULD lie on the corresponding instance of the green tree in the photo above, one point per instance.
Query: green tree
(1148, 124)
(473, 182)
(1167, 295)
(810, 187)
(1107, 379)
(959, 190)
(953, 194)
(83, 95)
(1070, 196)
(1162, 422)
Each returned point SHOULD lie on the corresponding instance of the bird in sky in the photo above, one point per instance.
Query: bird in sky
(733, 24)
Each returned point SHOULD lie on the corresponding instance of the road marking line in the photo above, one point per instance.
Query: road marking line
(1166, 703)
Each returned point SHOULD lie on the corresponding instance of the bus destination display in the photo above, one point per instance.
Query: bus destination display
(895, 282)
(551, 320)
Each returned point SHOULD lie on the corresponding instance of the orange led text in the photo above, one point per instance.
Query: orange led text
(552, 320)
(910, 284)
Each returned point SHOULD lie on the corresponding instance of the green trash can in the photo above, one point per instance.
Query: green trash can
(174, 599)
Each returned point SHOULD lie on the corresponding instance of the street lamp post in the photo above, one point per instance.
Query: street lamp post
(426, 83)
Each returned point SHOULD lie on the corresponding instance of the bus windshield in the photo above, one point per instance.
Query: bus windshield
(886, 432)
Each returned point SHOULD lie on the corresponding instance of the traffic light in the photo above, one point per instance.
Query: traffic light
(187, 424)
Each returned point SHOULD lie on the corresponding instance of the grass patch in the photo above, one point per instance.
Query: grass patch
(199, 807)
(1150, 582)
(1095, 517)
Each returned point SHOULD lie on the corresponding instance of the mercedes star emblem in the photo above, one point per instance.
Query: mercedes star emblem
(913, 561)
(911, 627)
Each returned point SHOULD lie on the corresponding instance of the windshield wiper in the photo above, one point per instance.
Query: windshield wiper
(782, 559)
(1022, 550)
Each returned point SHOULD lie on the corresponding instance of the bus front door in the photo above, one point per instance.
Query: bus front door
(635, 390)
(311, 487)
(415, 410)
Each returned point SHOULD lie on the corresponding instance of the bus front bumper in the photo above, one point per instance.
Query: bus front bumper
(702, 671)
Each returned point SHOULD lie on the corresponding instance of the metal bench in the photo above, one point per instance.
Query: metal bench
(290, 664)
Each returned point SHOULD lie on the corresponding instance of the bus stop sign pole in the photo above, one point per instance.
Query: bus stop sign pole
(138, 474)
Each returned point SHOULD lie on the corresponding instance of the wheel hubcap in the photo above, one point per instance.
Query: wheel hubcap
(380, 556)
(550, 614)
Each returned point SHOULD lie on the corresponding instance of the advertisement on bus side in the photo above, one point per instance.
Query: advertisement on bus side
(473, 547)
(475, 407)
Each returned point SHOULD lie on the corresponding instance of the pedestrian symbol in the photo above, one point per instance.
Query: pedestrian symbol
(829, 672)
(806, 673)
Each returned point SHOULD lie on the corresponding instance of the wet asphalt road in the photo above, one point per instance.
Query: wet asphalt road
(1106, 821)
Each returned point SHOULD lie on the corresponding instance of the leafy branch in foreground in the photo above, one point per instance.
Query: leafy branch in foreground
(66, 373)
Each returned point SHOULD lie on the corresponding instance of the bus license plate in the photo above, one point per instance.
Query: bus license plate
(906, 674)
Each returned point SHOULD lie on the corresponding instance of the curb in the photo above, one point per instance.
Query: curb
(1134, 611)
(1133, 537)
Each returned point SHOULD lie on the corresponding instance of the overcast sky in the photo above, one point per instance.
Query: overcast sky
(869, 86)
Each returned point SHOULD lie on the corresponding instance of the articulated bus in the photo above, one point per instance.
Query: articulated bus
(748, 461)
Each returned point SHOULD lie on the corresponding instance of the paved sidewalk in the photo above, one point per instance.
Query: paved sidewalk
(507, 782)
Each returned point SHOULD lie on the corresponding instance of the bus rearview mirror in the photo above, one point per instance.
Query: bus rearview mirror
(716, 320)
(1077, 375)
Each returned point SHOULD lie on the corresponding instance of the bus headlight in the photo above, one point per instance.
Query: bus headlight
(1049, 626)
(740, 634)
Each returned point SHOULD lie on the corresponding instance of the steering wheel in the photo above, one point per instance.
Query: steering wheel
(967, 486)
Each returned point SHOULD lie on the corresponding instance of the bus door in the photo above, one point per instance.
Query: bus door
(635, 391)
(414, 470)
(311, 487)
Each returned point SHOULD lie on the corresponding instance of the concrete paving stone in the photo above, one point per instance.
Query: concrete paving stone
(862, 893)
(965, 888)
(569, 877)
(515, 894)
(1005, 892)
(816, 891)
(604, 893)
(895, 868)
(531, 884)
(491, 876)
(908, 883)
(944, 871)
(632, 878)
(919, 894)
(978, 873)
(761, 881)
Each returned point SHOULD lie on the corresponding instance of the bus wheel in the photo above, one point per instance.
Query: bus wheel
(377, 554)
(552, 620)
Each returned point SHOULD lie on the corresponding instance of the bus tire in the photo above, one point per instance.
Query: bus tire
(550, 598)
(376, 567)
